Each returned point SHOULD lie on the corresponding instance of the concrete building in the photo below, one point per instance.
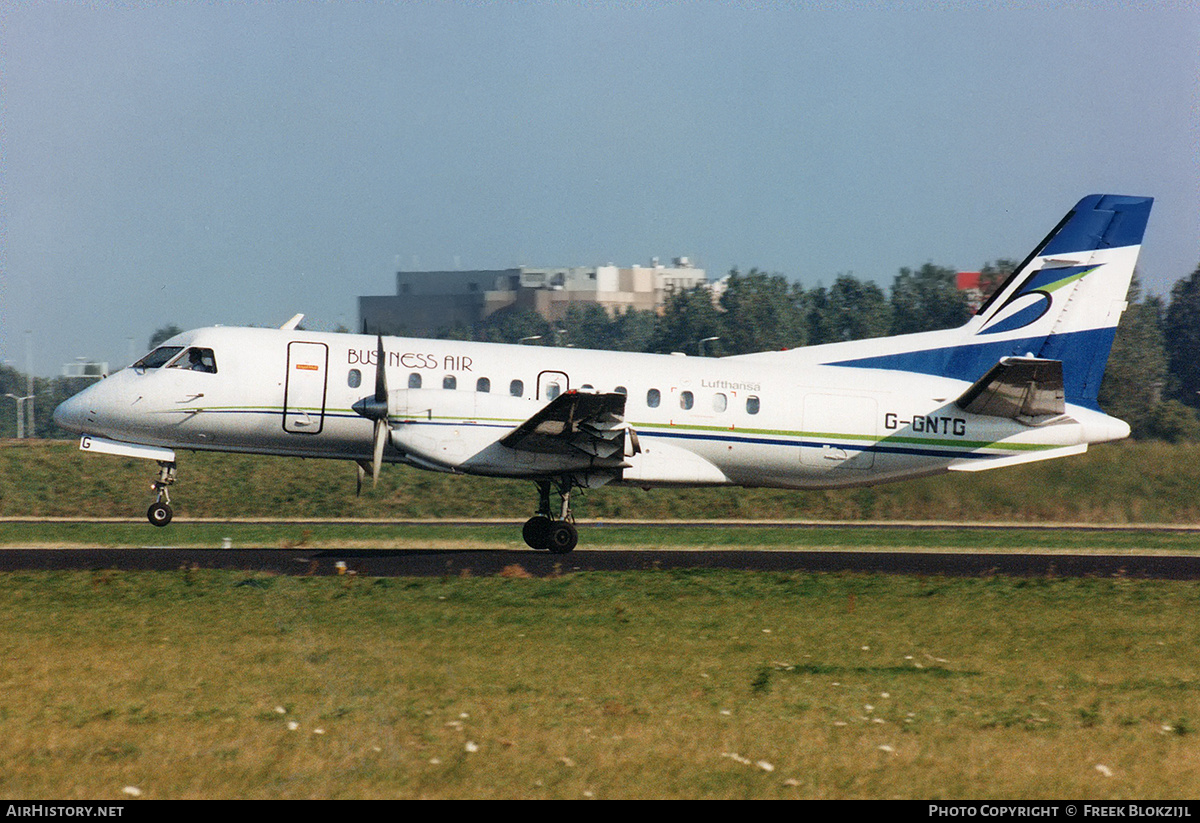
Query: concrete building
(428, 302)
(972, 285)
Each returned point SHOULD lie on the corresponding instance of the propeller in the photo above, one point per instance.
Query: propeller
(376, 408)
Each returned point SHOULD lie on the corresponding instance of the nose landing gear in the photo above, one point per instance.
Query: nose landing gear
(545, 533)
(160, 512)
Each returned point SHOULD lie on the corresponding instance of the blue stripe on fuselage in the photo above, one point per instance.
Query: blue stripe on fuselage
(881, 446)
(1083, 355)
(941, 450)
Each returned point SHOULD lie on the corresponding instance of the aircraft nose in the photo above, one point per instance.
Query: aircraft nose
(71, 414)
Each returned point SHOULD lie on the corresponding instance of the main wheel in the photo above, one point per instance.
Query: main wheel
(159, 514)
(562, 538)
(536, 532)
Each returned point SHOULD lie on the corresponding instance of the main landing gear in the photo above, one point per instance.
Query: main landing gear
(160, 513)
(543, 531)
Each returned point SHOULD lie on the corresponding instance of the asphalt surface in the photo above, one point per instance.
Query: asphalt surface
(449, 562)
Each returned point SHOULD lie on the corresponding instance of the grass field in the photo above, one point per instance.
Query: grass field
(1128, 482)
(690, 684)
(599, 536)
(628, 685)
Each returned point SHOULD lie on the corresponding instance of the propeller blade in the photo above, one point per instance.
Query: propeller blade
(360, 472)
(375, 407)
(380, 374)
(381, 429)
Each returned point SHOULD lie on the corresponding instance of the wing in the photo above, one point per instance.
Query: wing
(574, 422)
(1022, 388)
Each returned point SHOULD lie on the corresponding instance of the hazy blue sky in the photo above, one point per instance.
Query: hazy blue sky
(229, 163)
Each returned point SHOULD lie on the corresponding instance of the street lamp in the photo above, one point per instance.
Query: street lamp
(29, 380)
(700, 344)
(20, 412)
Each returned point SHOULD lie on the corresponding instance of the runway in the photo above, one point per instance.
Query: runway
(453, 563)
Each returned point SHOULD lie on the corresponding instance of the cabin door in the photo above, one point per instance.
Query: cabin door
(304, 388)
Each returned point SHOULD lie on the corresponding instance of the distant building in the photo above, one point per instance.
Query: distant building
(971, 284)
(427, 302)
(83, 367)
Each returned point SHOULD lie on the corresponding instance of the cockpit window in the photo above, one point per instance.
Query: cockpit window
(158, 358)
(197, 360)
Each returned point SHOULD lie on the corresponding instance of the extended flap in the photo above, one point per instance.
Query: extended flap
(571, 422)
(1018, 388)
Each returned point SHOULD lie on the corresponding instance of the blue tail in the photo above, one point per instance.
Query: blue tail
(1062, 303)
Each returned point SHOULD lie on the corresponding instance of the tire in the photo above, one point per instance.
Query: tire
(159, 514)
(562, 538)
(536, 532)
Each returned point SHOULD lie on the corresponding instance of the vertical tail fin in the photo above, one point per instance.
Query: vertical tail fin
(1064, 301)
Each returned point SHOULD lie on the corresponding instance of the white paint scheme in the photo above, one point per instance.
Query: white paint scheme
(803, 419)
(241, 409)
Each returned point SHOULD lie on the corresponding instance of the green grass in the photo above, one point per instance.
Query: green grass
(718, 684)
(1128, 482)
(721, 685)
(643, 537)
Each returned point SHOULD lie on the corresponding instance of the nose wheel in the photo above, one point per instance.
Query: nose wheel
(543, 531)
(160, 512)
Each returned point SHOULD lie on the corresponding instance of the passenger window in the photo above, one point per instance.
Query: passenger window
(686, 400)
(587, 387)
(653, 397)
(720, 401)
(516, 388)
(449, 382)
(414, 380)
(553, 390)
(483, 385)
(752, 404)
(197, 360)
(620, 390)
(158, 358)
(354, 379)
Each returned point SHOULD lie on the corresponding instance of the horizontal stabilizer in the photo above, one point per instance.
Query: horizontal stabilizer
(574, 422)
(1021, 388)
(1016, 459)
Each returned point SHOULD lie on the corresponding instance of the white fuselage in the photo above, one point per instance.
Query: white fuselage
(750, 421)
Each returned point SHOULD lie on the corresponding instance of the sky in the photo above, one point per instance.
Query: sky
(229, 163)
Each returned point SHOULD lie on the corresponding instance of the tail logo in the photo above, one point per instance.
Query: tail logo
(1033, 299)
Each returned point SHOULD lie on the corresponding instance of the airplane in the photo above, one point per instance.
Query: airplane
(1017, 383)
